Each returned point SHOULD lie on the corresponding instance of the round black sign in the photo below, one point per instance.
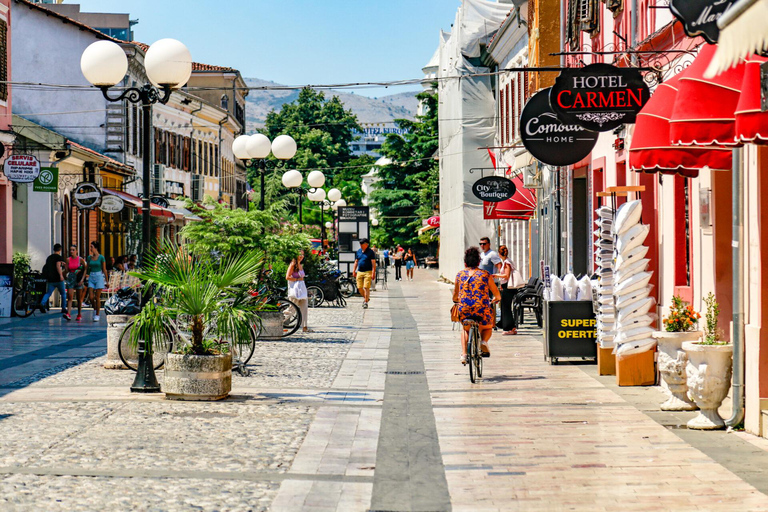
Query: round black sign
(493, 189)
(599, 97)
(699, 17)
(160, 201)
(86, 195)
(549, 140)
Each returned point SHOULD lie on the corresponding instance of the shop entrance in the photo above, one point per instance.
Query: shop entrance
(581, 218)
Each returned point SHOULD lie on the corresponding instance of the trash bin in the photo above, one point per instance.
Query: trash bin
(569, 330)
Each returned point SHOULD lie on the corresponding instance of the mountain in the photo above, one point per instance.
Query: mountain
(368, 110)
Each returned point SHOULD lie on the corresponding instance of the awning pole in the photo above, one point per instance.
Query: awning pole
(737, 184)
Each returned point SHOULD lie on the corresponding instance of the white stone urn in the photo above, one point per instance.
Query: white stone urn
(709, 377)
(672, 361)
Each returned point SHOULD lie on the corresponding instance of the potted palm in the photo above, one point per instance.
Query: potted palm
(204, 302)
(709, 370)
(679, 326)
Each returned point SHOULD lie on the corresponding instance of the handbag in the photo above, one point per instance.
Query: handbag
(517, 279)
(455, 312)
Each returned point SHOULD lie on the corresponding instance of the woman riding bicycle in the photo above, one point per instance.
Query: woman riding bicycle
(472, 292)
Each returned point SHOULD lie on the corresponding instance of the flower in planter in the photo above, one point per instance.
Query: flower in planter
(712, 334)
(682, 316)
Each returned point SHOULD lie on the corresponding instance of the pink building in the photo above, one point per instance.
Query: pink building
(6, 136)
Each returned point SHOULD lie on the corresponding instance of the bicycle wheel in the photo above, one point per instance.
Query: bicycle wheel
(347, 288)
(129, 354)
(478, 358)
(471, 349)
(24, 304)
(243, 352)
(291, 316)
(315, 296)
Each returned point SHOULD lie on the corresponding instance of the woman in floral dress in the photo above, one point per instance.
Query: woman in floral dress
(472, 291)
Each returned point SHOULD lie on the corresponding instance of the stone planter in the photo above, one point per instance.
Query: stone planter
(271, 324)
(709, 377)
(115, 326)
(189, 377)
(671, 363)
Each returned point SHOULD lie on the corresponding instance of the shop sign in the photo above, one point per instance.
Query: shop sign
(599, 97)
(699, 17)
(111, 204)
(548, 139)
(159, 201)
(434, 221)
(353, 213)
(547, 277)
(21, 168)
(47, 181)
(86, 195)
(493, 189)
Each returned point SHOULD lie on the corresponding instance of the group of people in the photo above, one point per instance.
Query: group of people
(74, 277)
(401, 257)
(476, 292)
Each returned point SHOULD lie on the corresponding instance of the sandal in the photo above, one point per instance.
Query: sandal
(464, 359)
(510, 333)
(484, 350)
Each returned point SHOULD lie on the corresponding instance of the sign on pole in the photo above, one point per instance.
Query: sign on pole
(47, 181)
(87, 195)
(21, 168)
(493, 189)
(111, 204)
(699, 17)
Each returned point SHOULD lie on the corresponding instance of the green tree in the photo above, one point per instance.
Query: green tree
(408, 189)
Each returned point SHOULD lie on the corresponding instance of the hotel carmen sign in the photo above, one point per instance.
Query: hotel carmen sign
(599, 97)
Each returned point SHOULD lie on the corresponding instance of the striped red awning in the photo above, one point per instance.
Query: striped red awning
(521, 206)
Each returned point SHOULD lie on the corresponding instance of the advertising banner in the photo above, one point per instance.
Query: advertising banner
(21, 168)
(47, 181)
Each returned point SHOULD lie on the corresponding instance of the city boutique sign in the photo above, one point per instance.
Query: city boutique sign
(548, 139)
(86, 196)
(493, 189)
(599, 97)
(699, 17)
(21, 168)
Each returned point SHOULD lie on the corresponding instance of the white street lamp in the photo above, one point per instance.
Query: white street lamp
(316, 179)
(239, 147)
(292, 179)
(168, 63)
(339, 204)
(328, 225)
(104, 64)
(375, 221)
(284, 147)
(334, 195)
(318, 196)
(258, 146)
(255, 149)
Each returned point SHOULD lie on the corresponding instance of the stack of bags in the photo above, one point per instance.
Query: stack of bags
(606, 309)
(569, 288)
(631, 291)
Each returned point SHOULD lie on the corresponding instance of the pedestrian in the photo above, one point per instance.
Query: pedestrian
(410, 263)
(398, 257)
(75, 281)
(132, 262)
(297, 289)
(386, 258)
(489, 261)
(504, 274)
(53, 271)
(97, 277)
(472, 292)
(364, 270)
(120, 264)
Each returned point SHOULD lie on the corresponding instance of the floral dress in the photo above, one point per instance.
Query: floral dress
(474, 296)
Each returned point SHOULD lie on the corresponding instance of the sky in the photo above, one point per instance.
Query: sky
(298, 42)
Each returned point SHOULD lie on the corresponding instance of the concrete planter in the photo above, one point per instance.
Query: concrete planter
(189, 377)
(271, 324)
(709, 377)
(115, 326)
(672, 361)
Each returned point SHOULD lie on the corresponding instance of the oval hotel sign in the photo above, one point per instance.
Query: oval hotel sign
(599, 97)
(548, 139)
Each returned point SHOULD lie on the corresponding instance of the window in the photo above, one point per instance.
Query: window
(503, 115)
(3, 60)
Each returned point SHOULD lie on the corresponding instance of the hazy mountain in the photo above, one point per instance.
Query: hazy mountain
(368, 110)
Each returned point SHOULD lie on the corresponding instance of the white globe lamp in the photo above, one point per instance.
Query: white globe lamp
(168, 63)
(239, 147)
(316, 179)
(334, 195)
(328, 225)
(104, 63)
(284, 147)
(338, 204)
(318, 196)
(258, 146)
(292, 179)
(375, 222)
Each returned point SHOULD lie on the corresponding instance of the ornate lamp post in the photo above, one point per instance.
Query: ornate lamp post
(169, 66)
(315, 180)
(254, 150)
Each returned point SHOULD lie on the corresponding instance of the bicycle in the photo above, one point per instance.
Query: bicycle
(29, 296)
(348, 287)
(474, 354)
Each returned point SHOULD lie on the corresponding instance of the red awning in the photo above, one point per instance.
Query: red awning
(751, 122)
(520, 206)
(651, 150)
(135, 202)
(704, 112)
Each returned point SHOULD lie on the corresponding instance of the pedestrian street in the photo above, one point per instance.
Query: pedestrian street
(371, 411)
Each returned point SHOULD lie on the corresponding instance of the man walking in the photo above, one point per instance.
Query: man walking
(489, 259)
(53, 271)
(364, 270)
(398, 257)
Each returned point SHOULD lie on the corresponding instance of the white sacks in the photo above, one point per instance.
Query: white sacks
(604, 261)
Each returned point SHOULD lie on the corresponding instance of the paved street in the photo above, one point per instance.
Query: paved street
(371, 411)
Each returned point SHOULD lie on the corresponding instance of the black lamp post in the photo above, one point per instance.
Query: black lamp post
(168, 64)
(254, 150)
(293, 179)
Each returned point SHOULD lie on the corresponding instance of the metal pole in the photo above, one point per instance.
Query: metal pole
(146, 156)
(737, 184)
(262, 171)
(558, 223)
(322, 227)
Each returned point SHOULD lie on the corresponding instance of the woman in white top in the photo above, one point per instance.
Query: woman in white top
(504, 274)
(297, 290)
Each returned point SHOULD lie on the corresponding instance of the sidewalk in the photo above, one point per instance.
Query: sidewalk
(372, 411)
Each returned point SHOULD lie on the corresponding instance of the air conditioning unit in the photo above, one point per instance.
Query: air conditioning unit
(158, 180)
(196, 191)
(532, 176)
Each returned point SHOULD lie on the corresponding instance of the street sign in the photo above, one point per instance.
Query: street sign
(160, 201)
(87, 195)
(21, 168)
(47, 181)
(599, 97)
(548, 139)
(111, 204)
(493, 189)
(699, 17)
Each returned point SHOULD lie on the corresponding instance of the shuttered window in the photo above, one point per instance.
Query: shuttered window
(3, 60)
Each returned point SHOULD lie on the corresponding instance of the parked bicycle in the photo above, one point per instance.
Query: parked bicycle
(326, 288)
(29, 296)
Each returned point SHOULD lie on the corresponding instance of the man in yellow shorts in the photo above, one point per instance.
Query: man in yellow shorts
(365, 270)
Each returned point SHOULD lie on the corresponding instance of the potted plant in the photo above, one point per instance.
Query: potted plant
(205, 302)
(709, 370)
(679, 326)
